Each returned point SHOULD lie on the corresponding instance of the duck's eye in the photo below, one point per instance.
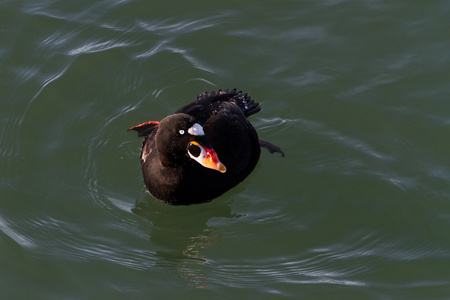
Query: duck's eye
(194, 150)
(181, 131)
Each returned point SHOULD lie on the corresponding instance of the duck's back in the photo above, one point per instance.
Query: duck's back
(208, 104)
(223, 115)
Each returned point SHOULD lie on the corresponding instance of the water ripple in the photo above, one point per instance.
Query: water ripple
(93, 47)
(347, 141)
(17, 237)
(243, 275)
(274, 124)
(181, 26)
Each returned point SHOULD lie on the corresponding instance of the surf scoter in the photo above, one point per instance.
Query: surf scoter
(202, 150)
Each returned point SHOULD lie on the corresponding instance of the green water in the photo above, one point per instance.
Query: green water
(356, 93)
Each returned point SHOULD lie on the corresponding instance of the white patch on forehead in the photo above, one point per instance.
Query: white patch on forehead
(196, 129)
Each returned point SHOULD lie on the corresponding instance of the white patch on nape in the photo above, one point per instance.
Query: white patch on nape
(196, 129)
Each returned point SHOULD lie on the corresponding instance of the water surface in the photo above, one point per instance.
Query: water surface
(355, 93)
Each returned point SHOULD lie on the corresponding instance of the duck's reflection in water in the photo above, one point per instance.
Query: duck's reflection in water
(182, 232)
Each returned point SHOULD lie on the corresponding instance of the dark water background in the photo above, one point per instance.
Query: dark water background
(355, 92)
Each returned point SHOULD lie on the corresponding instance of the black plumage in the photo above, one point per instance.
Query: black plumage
(202, 150)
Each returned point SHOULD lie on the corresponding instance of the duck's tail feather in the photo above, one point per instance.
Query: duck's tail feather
(145, 128)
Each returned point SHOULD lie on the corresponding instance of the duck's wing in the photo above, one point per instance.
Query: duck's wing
(209, 103)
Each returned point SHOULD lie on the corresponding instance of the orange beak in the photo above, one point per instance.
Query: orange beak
(207, 158)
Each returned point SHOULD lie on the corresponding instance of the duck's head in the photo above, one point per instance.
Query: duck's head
(180, 138)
